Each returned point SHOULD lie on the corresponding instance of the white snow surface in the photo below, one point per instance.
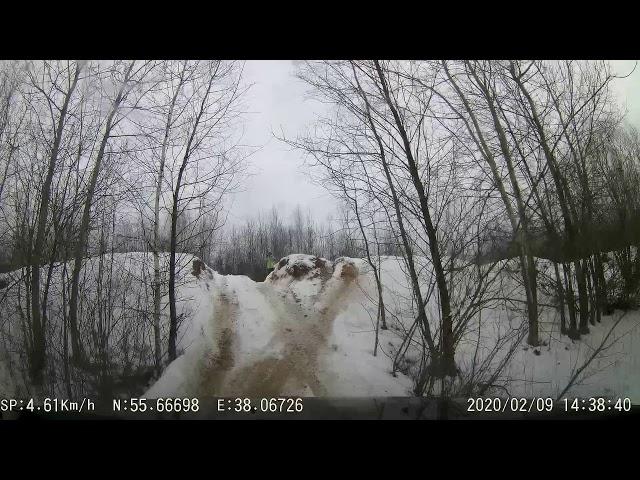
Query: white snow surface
(313, 334)
(310, 329)
(306, 336)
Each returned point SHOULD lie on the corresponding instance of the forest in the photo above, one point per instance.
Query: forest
(510, 185)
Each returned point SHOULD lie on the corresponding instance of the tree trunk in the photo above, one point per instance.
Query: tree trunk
(370, 261)
(38, 343)
(156, 236)
(81, 244)
(447, 366)
(173, 320)
(560, 290)
(602, 286)
(571, 303)
(591, 286)
(519, 223)
(583, 296)
(422, 317)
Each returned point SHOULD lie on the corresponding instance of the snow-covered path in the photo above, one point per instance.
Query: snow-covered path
(313, 333)
(305, 331)
(289, 362)
(264, 340)
(221, 360)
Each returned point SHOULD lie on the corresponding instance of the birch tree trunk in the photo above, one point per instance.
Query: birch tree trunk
(81, 244)
(38, 343)
(156, 230)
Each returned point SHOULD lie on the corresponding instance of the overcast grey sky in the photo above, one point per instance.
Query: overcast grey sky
(277, 101)
(628, 89)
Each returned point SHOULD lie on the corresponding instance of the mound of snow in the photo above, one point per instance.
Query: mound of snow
(299, 266)
(345, 268)
(122, 282)
(303, 331)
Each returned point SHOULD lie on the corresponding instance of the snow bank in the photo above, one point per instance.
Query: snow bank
(115, 295)
(301, 332)
(299, 266)
(310, 329)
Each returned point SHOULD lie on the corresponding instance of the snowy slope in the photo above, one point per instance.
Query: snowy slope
(294, 334)
(115, 296)
(310, 330)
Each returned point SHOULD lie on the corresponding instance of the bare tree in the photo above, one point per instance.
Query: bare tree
(481, 79)
(67, 87)
(215, 93)
(122, 81)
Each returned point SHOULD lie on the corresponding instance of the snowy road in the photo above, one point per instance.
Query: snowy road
(289, 362)
(305, 335)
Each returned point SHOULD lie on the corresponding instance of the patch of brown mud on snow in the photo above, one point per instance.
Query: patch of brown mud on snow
(219, 363)
(304, 338)
(298, 266)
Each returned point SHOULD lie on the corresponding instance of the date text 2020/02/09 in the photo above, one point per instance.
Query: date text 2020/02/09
(528, 405)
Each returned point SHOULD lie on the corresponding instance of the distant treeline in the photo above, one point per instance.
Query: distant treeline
(242, 249)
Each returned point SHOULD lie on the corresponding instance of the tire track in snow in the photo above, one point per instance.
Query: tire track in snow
(220, 361)
(303, 338)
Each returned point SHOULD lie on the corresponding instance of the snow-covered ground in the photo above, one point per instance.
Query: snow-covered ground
(115, 308)
(310, 329)
(286, 336)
